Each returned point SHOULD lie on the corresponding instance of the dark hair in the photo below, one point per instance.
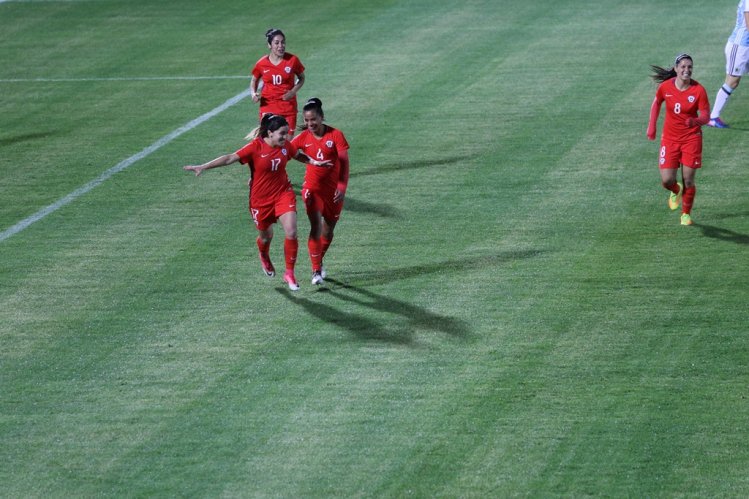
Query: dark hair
(662, 74)
(314, 104)
(268, 123)
(271, 33)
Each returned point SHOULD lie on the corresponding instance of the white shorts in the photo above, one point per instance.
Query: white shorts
(737, 59)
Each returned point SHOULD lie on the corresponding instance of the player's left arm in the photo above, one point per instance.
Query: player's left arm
(299, 82)
(703, 107)
(304, 158)
(340, 191)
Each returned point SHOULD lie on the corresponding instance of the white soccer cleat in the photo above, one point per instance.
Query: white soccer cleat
(289, 278)
(323, 272)
(317, 278)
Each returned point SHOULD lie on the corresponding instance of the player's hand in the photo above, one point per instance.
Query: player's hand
(326, 163)
(194, 168)
(338, 196)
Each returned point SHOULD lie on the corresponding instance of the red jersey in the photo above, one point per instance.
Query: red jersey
(267, 165)
(277, 80)
(680, 105)
(326, 148)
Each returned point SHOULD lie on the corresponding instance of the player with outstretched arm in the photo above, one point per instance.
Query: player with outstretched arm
(272, 197)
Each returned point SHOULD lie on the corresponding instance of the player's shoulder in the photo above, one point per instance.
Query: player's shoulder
(300, 137)
(336, 132)
(697, 86)
(666, 85)
(248, 149)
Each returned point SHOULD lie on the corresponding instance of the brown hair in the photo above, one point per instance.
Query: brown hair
(662, 74)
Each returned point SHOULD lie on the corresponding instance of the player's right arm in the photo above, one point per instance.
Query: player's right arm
(254, 82)
(224, 160)
(655, 110)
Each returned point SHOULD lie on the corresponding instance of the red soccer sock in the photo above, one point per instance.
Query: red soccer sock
(315, 253)
(324, 245)
(687, 199)
(290, 249)
(673, 188)
(263, 247)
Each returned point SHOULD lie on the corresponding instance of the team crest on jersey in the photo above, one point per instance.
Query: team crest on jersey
(329, 143)
(287, 69)
(691, 98)
(283, 151)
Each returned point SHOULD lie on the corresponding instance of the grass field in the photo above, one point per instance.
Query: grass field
(512, 309)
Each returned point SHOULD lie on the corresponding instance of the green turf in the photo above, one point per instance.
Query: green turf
(512, 309)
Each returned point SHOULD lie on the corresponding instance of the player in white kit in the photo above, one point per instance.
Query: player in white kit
(737, 62)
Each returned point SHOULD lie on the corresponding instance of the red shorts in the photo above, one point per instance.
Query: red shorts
(290, 116)
(266, 215)
(315, 201)
(673, 154)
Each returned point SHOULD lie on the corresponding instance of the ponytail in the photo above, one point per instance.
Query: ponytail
(662, 74)
(268, 123)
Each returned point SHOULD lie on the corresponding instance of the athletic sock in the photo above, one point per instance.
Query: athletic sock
(263, 247)
(290, 249)
(720, 100)
(324, 245)
(315, 253)
(673, 188)
(687, 200)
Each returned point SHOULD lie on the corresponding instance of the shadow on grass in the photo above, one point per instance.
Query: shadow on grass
(390, 274)
(356, 324)
(723, 234)
(416, 164)
(416, 317)
(7, 141)
(371, 208)
(411, 318)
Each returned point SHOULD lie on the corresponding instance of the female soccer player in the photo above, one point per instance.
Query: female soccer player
(324, 188)
(282, 75)
(687, 109)
(737, 62)
(272, 197)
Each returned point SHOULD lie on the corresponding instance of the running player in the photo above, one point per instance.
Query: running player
(687, 109)
(272, 197)
(324, 189)
(282, 75)
(737, 62)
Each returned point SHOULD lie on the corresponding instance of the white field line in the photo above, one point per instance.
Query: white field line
(131, 78)
(120, 166)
